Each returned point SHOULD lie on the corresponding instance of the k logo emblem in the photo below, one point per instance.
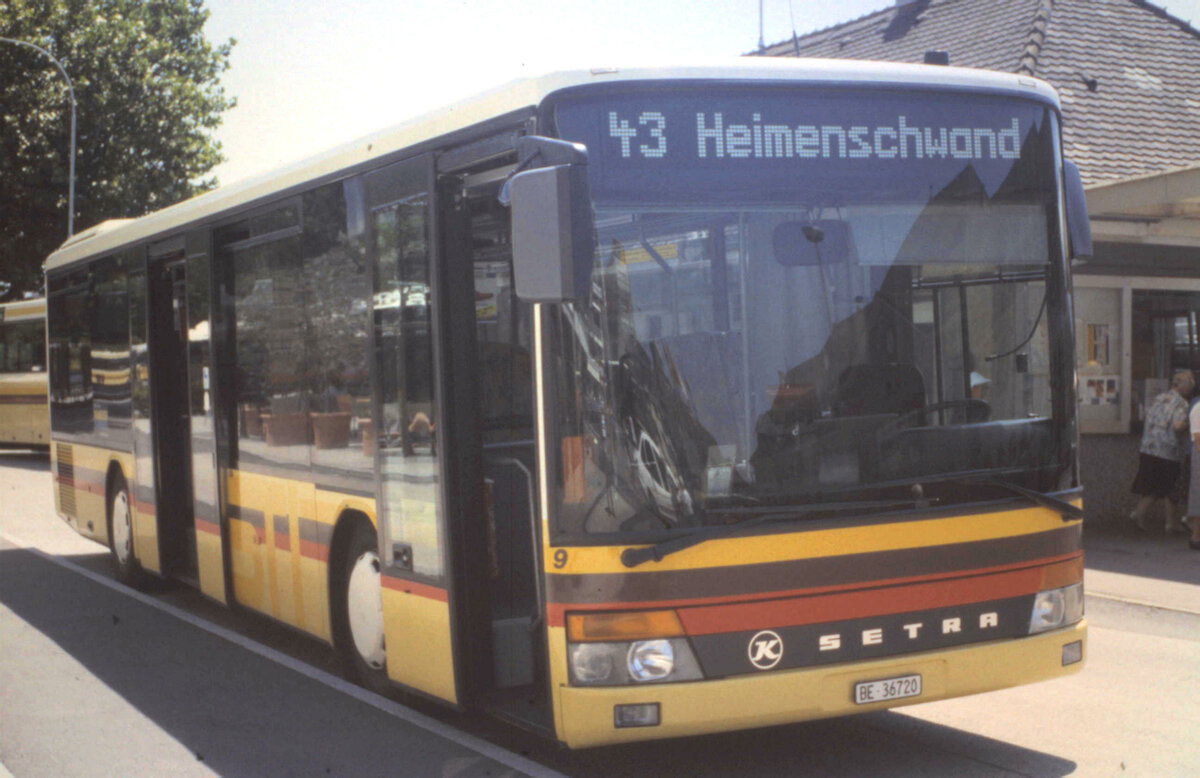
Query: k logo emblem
(765, 650)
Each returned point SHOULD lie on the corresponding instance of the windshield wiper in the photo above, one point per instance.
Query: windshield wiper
(632, 557)
(1065, 509)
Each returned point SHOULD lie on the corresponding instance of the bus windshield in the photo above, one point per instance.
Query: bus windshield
(803, 300)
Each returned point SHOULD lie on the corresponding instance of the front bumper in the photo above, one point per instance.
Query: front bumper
(585, 715)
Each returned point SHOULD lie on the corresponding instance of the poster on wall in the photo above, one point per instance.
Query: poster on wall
(1097, 344)
(1102, 390)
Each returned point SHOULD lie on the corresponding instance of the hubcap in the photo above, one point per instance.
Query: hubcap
(364, 605)
(122, 531)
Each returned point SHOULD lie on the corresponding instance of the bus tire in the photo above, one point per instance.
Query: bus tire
(120, 536)
(358, 627)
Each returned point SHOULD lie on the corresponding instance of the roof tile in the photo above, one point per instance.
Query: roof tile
(1126, 70)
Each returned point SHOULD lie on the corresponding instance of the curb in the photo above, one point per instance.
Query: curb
(1139, 603)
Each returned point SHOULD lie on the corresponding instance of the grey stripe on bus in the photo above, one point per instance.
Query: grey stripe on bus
(251, 516)
(315, 532)
(966, 558)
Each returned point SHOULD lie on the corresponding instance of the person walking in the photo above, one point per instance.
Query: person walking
(1164, 443)
(1193, 505)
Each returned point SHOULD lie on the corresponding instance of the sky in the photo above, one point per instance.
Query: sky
(310, 75)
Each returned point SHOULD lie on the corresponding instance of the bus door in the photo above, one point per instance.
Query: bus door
(493, 333)
(170, 430)
(408, 427)
(210, 543)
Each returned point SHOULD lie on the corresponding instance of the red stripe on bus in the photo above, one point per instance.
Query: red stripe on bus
(797, 611)
(414, 588)
(283, 541)
(84, 484)
(208, 526)
(873, 590)
(314, 550)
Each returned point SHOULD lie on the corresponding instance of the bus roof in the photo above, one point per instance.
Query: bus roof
(515, 96)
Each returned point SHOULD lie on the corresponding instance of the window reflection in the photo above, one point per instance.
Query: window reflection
(406, 441)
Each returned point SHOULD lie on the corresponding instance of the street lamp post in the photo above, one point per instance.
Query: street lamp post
(71, 92)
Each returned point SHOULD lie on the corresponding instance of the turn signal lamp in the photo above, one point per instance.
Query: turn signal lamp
(1061, 574)
(633, 625)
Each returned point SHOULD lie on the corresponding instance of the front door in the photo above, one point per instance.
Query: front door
(407, 427)
(503, 379)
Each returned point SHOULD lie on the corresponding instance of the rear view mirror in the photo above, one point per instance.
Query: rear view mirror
(552, 228)
(1079, 229)
(825, 241)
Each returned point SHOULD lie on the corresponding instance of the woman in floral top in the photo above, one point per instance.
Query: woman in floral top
(1164, 444)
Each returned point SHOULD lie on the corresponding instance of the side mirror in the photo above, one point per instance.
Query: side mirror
(1079, 228)
(552, 226)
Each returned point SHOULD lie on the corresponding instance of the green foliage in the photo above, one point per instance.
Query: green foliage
(147, 84)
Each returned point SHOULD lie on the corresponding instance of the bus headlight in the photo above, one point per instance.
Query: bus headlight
(592, 663)
(612, 648)
(1056, 608)
(650, 660)
(639, 661)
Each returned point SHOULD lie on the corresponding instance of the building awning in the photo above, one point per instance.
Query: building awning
(1161, 209)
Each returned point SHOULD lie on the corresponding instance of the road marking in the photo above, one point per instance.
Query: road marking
(1140, 603)
(395, 709)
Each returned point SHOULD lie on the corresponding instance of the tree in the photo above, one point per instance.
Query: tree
(147, 84)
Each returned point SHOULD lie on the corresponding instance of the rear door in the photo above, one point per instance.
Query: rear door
(210, 540)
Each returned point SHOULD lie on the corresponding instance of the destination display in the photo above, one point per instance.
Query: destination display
(781, 146)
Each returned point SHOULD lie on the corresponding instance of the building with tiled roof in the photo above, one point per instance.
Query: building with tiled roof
(1126, 70)
(1127, 73)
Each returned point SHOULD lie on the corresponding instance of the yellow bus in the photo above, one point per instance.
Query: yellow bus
(24, 410)
(620, 404)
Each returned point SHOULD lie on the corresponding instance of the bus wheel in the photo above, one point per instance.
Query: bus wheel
(361, 613)
(120, 535)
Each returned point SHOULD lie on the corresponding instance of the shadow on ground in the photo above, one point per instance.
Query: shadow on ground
(243, 714)
(237, 712)
(877, 744)
(38, 461)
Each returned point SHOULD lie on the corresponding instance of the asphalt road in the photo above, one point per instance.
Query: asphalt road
(98, 680)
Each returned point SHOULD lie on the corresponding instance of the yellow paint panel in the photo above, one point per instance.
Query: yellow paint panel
(417, 632)
(245, 548)
(24, 422)
(584, 717)
(836, 541)
(211, 562)
(145, 525)
(284, 583)
(289, 603)
(91, 468)
(91, 516)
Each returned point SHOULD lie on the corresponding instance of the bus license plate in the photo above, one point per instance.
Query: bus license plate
(868, 692)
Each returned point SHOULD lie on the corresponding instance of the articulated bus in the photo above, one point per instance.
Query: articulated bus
(620, 404)
(24, 407)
